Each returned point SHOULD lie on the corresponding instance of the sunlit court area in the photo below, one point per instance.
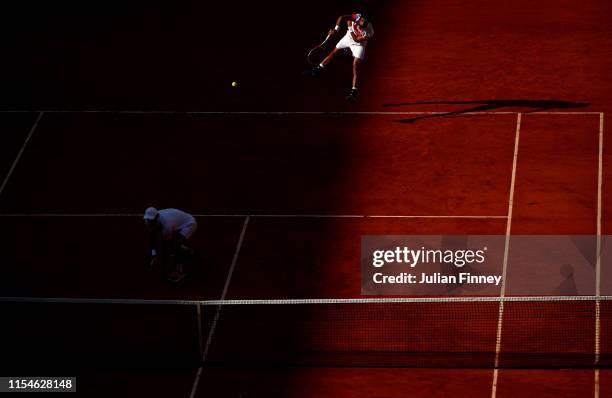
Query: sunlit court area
(371, 199)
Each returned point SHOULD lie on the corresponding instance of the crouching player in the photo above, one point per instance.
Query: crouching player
(169, 230)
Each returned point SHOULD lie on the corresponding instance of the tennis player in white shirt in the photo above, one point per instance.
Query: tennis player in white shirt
(359, 32)
(169, 230)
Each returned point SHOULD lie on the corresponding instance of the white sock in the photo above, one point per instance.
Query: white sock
(321, 66)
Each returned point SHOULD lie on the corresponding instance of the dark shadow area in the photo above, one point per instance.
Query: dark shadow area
(159, 56)
(491, 105)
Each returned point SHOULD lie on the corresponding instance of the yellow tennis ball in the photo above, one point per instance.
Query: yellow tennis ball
(234, 84)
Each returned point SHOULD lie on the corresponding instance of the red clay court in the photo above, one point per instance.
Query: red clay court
(474, 118)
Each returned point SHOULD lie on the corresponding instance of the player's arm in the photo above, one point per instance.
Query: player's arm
(368, 32)
(155, 243)
(342, 19)
(360, 39)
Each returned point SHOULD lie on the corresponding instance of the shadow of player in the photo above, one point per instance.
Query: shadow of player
(490, 105)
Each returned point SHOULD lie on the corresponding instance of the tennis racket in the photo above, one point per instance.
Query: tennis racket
(318, 53)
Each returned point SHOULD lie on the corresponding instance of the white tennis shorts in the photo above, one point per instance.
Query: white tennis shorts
(358, 49)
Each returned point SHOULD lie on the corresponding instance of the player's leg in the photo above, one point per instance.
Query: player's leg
(177, 272)
(358, 56)
(356, 65)
(329, 57)
(341, 45)
(352, 97)
(316, 70)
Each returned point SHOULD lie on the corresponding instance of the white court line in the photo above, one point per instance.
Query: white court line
(199, 319)
(598, 256)
(308, 301)
(289, 113)
(20, 153)
(500, 316)
(196, 381)
(85, 215)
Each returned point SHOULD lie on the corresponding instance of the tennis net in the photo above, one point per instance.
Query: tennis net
(561, 331)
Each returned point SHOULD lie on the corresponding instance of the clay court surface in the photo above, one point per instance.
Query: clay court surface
(475, 118)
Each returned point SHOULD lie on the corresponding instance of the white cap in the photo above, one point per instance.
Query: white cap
(150, 213)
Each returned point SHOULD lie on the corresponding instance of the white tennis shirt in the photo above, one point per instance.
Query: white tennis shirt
(175, 220)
